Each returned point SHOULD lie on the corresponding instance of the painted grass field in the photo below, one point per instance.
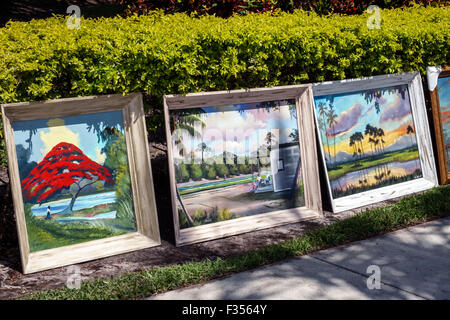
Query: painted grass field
(223, 184)
(47, 234)
(396, 156)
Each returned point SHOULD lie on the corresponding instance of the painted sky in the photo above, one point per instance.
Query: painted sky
(240, 128)
(354, 113)
(74, 129)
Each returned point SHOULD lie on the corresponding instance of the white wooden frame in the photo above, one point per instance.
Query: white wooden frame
(147, 234)
(313, 208)
(419, 114)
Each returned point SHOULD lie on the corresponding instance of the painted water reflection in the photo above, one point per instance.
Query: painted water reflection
(83, 202)
(375, 177)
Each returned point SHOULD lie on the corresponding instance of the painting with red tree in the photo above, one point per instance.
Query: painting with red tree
(75, 179)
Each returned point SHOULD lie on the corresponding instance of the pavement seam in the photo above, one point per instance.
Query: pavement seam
(365, 276)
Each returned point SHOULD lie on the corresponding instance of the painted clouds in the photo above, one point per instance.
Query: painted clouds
(347, 120)
(240, 129)
(397, 110)
(385, 108)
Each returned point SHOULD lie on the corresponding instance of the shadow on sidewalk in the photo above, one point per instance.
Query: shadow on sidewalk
(413, 265)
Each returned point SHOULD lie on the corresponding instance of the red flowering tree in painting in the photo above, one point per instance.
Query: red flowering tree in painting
(64, 167)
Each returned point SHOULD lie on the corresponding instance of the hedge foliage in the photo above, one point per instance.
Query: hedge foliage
(160, 54)
(226, 8)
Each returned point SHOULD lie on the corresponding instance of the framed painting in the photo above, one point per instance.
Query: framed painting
(73, 167)
(238, 161)
(375, 139)
(439, 85)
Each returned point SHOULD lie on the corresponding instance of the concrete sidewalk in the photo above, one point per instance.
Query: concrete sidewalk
(414, 264)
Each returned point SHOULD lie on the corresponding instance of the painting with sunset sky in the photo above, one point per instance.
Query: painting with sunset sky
(368, 138)
(235, 161)
(75, 179)
(444, 102)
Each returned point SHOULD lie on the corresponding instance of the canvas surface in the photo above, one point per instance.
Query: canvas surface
(235, 161)
(368, 139)
(75, 179)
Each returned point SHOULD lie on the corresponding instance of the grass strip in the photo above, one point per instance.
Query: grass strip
(408, 211)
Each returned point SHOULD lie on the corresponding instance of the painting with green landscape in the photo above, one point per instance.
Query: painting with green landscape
(235, 161)
(75, 179)
(368, 139)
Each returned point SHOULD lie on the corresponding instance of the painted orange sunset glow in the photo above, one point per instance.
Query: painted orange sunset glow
(368, 139)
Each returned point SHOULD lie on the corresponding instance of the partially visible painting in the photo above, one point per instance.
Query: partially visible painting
(238, 161)
(369, 139)
(235, 161)
(375, 138)
(440, 103)
(72, 166)
(75, 179)
(444, 101)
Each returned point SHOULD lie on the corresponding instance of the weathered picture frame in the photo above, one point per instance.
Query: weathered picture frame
(129, 108)
(436, 75)
(302, 94)
(412, 84)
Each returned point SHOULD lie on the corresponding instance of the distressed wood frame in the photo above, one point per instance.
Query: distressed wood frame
(305, 121)
(147, 234)
(444, 172)
(419, 114)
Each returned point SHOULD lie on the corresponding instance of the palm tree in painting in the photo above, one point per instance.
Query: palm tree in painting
(372, 132)
(203, 147)
(332, 118)
(377, 141)
(374, 94)
(270, 139)
(374, 146)
(353, 144)
(410, 132)
(358, 137)
(380, 134)
(323, 126)
(369, 132)
(356, 142)
(186, 122)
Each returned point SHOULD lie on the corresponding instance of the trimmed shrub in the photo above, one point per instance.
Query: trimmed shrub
(183, 173)
(226, 8)
(244, 169)
(233, 169)
(222, 170)
(209, 172)
(160, 54)
(196, 172)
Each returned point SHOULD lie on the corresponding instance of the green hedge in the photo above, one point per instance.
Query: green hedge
(226, 8)
(159, 54)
